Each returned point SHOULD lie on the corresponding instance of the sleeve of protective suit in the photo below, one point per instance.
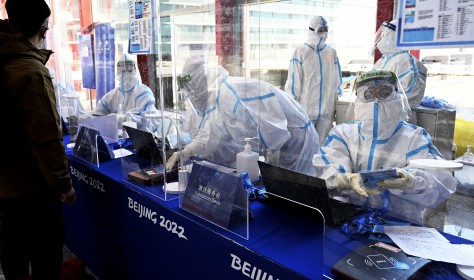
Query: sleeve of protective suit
(294, 82)
(196, 147)
(140, 101)
(334, 157)
(272, 121)
(413, 80)
(338, 76)
(431, 187)
(188, 151)
(106, 104)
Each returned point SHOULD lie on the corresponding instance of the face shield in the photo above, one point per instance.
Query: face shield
(382, 87)
(125, 67)
(383, 30)
(185, 85)
(197, 100)
(375, 91)
(127, 74)
(185, 88)
(375, 85)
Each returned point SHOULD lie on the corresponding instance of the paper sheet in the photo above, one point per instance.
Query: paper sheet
(428, 243)
(119, 153)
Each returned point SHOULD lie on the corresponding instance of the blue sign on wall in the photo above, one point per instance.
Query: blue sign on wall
(87, 60)
(104, 59)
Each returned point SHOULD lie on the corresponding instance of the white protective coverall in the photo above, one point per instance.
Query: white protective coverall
(130, 99)
(381, 139)
(190, 122)
(130, 96)
(68, 101)
(410, 71)
(233, 108)
(314, 77)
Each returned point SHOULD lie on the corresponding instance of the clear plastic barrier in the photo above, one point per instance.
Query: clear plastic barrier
(218, 195)
(146, 167)
(299, 239)
(86, 145)
(225, 83)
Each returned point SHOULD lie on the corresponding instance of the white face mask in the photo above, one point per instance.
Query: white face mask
(127, 81)
(323, 36)
(389, 112)
(127, 75)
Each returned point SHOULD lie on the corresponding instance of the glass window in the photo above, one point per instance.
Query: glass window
(253, 39)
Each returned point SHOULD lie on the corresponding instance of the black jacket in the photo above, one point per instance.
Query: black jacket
(32, 153)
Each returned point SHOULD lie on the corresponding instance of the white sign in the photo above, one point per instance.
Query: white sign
(435, 23)
(141, 26)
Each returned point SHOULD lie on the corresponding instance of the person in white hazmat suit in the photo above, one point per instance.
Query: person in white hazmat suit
(314, 77)
(189, 122)
(233, 108)
(130, 98)
(68, 101)
(382, 139)
(410, 71)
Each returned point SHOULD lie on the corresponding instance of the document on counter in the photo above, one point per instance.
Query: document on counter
(428, 243)
(119, 153)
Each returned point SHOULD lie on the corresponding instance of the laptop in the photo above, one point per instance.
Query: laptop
(148, 161)
(144, 143)
(307, 190)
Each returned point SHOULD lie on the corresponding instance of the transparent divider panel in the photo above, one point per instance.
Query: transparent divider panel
(85, 146)
(217, 197)
(146, 167)
(296, 233)
(148, 170)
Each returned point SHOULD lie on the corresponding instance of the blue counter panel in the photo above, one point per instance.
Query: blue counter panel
(122, 231)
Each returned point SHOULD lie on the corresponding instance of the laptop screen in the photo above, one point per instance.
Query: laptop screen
(305, 189)
(293, 185)
(145, 143)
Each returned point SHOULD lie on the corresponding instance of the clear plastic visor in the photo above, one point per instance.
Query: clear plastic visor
(125, 66)
(371, 92)
(186, 85)
(382, 31)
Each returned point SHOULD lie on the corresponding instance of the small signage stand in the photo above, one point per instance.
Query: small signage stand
(91, 147)
(217, 194)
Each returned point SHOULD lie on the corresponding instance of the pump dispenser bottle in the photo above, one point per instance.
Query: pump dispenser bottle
(246, 161)
(468, 156)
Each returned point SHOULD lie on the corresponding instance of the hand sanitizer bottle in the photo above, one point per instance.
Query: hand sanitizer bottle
(246, 161)
(468, 156)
